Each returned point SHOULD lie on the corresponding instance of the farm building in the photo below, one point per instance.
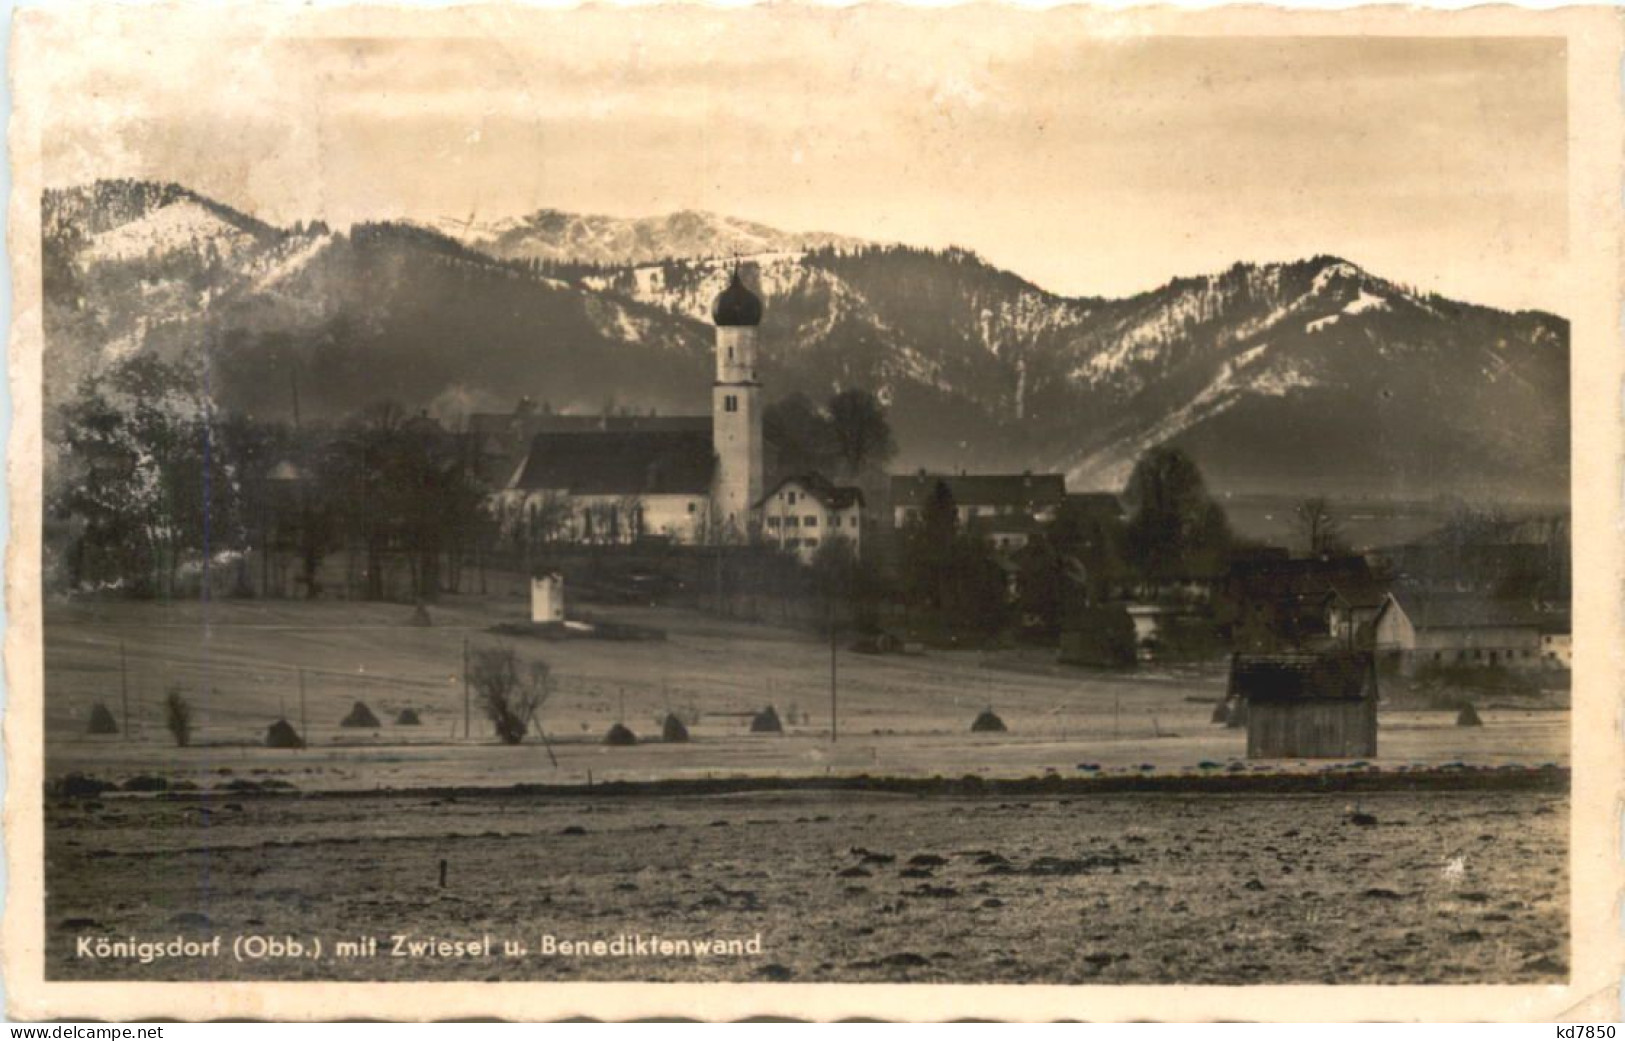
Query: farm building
(1307, 706)
(1037, 496)
(547, 597)
(1556, 643)
(1008, 533)
(803, 512)
(1456, 629)
(1350, 610)
(1273, 602)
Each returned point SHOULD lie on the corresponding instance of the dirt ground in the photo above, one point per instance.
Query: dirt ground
(1395, 887)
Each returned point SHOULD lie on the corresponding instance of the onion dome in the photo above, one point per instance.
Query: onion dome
(736, 305)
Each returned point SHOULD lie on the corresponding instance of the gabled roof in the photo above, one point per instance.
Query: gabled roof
(1358, 594)
(1032, 491)
(1300, 677)
(830, 495)
(619, 462)
(1096, 504)
(1463, 611)
(1304, 580)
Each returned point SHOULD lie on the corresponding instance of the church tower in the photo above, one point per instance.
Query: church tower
(736, 407)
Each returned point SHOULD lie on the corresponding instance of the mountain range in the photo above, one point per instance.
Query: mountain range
(1308, 375)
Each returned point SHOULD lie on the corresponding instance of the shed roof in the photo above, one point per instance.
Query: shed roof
(619, 462)
(1300, 677)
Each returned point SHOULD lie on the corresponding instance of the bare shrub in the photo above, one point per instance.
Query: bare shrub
(178, 717)
(508, 694)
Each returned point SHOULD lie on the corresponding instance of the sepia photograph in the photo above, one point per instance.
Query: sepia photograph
(804, 496)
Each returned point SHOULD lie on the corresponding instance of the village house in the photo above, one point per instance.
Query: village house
(1456, 629)
(806, 511)
(979, 496)
(1008, 533)
(1274, 602)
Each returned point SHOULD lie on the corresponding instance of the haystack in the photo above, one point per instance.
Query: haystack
(1237, 716)
(360, 716)
(283, 735)
(420, 616)
(620, 734)
(673, 732)
(408, 718)
(1468, 716)
(766, 722)
(988, 723)
(102, 721)
(1221, 712)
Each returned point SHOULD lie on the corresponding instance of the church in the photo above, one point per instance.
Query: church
(619, 478)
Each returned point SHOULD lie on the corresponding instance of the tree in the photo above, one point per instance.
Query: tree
(393, 481)
(1318, 527)
(142, 472)
(928, 546)
(1175, 530)
(1094, 542)
(800, 435)
(178, 717)
(862, 434)
(508, 696)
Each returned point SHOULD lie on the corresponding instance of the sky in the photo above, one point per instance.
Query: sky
(1091, 164)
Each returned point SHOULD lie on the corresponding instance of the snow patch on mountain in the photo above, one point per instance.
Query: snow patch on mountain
(285, 265)
(1359, 305)
(1331, 273)
(553, 235)
(181, 225)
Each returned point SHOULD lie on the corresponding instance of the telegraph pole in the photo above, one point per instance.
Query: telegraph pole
(124, 687)
(834, 718)
(467, 735)
(304, 733)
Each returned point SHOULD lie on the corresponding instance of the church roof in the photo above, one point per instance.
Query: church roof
(619, 462)
(737, 305)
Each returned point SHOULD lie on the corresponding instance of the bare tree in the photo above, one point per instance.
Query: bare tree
(1319, 527)
(509, 696)
(178, 716)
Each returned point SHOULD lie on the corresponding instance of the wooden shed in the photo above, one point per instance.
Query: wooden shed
(1306, 705)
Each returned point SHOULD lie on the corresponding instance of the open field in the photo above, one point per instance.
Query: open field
(1064, 877)
(1443, 887)
(899, 715)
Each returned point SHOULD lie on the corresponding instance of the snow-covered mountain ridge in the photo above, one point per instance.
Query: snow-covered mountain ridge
(1309, 371)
